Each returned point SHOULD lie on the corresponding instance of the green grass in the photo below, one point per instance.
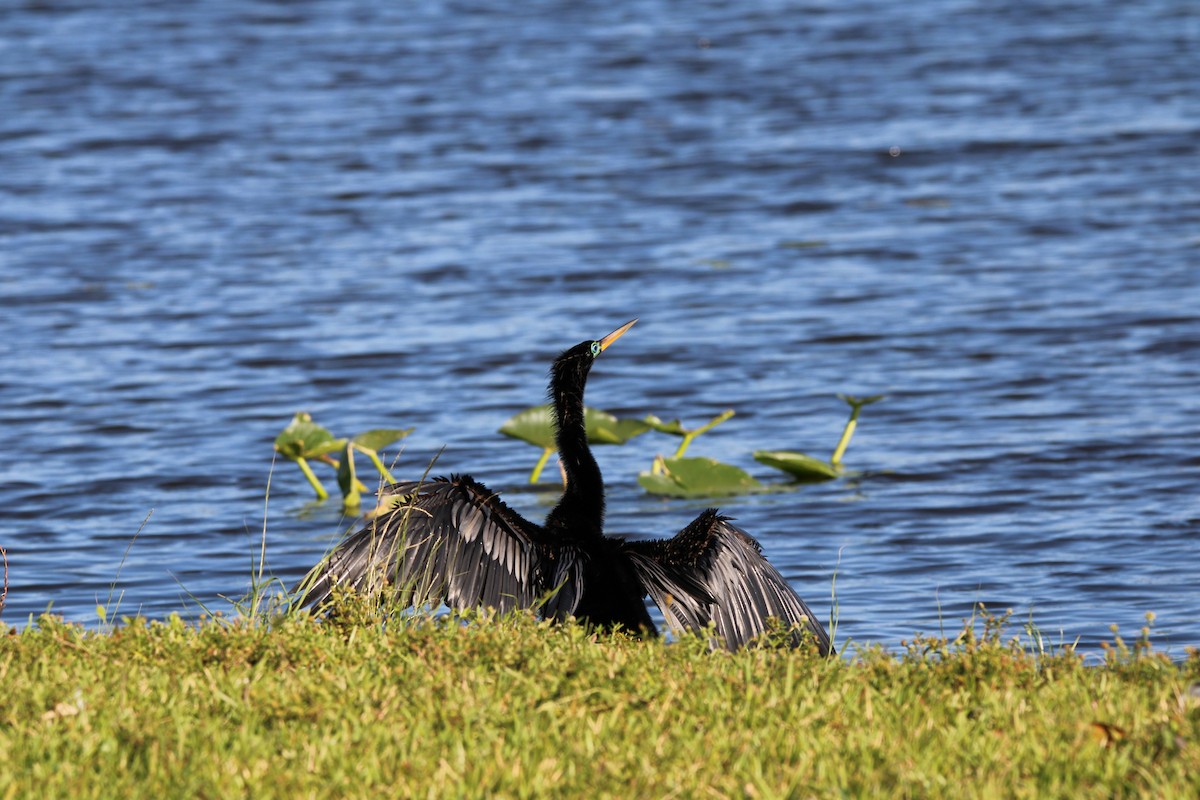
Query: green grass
(518, 708)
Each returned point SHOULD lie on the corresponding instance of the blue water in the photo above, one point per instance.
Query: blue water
(214, 215)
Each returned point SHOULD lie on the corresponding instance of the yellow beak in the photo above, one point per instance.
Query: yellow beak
(612, 337)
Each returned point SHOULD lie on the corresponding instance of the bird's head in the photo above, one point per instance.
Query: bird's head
(571, 368)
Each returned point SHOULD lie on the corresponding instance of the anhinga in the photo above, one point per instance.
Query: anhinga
(453, 541)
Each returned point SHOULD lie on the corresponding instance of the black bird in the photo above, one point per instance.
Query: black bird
(453, 541)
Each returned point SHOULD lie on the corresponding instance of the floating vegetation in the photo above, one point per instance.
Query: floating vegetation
(676, 475)
(675, 428)
(800, 466)
(536, 426)
(696, 477)
(806, 468)
(304, 439)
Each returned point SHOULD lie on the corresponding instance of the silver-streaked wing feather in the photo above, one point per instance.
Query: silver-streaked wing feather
(564, 567)
(443, 541)
(713, 571)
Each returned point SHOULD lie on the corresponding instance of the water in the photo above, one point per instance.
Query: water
(214, 215)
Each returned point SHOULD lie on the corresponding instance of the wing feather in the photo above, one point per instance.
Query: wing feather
(713, 571)
(443, 541)
(566, 583)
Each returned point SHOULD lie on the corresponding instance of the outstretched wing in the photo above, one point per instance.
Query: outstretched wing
(443, 541)
(713, 571)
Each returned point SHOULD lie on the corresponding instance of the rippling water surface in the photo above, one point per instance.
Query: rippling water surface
(214, 215)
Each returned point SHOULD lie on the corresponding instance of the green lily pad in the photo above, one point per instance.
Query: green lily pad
(604, 428)
(674, 427)
(697, 477)
(859, 402)
(798, 465)
(379, 438)
(536, 426)
(303, 438)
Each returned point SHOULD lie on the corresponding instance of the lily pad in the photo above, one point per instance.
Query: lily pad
(536, 426)
(379, 438)
(798, 465)
(303, 438)
(533, 425)
(674, 427)
(697, 477)
(604, 428)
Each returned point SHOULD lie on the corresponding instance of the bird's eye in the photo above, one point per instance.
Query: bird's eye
(595, 348)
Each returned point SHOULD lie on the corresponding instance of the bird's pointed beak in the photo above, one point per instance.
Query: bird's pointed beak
(617, 334)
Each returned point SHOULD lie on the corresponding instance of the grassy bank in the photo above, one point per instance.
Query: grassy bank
(515, 708)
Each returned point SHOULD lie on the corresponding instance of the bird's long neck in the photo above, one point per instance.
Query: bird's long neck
(581, 509)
